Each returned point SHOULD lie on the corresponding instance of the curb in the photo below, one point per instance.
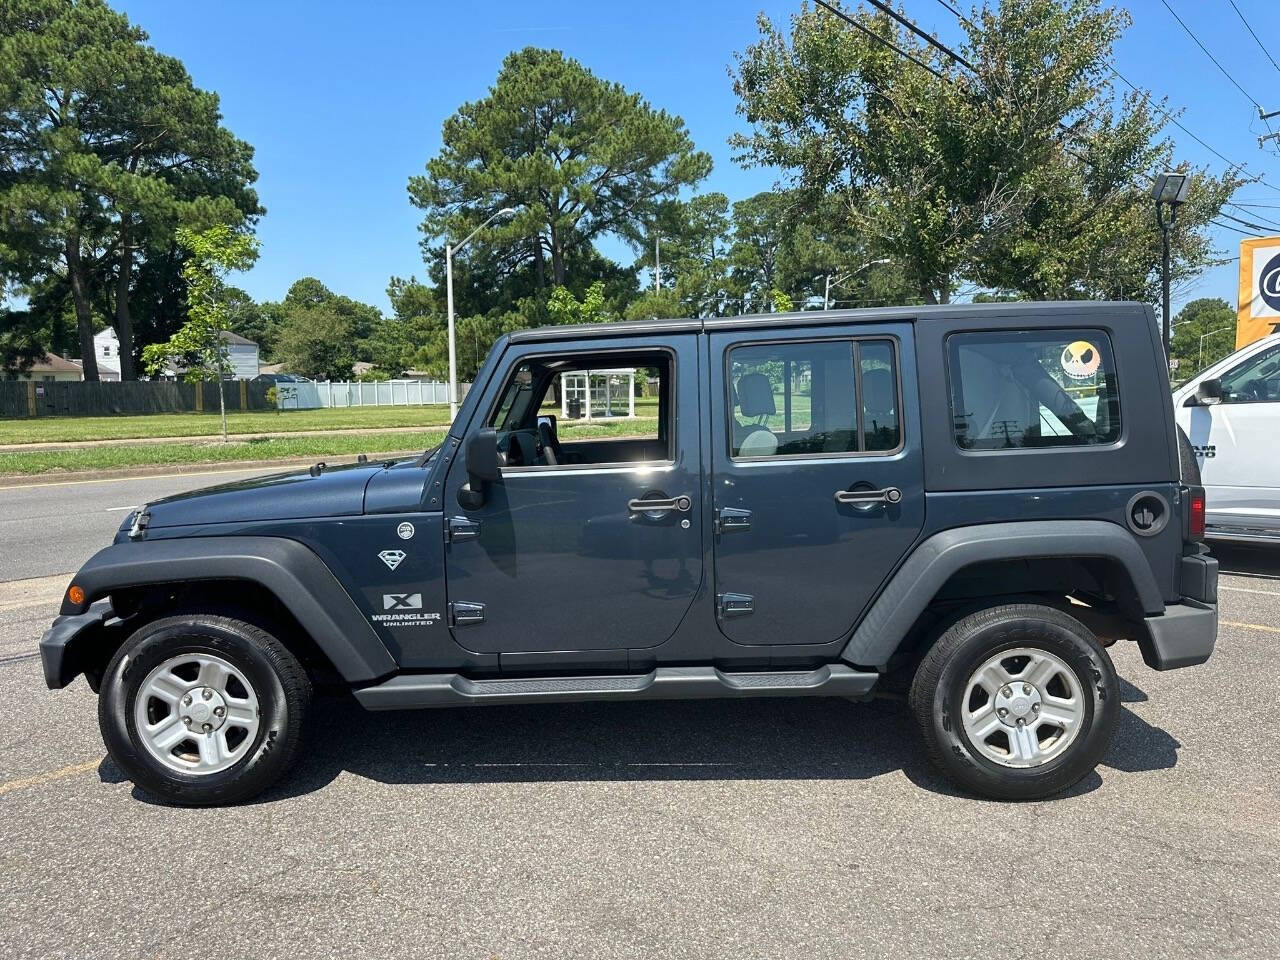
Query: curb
(56, 478)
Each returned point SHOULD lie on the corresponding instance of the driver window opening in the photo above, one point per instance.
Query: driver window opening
(585, 409)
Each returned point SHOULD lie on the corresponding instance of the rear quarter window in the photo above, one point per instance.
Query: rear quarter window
(1033, 389)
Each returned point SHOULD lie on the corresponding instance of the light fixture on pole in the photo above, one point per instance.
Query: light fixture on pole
(449, 251)
(826, 293)
(1170, 189)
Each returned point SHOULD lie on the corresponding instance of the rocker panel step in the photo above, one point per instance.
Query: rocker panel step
(409, 691)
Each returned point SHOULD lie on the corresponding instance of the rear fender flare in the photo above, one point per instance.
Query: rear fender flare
(937, 558)
(298, 578)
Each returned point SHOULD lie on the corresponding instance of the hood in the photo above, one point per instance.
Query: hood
(334, 492)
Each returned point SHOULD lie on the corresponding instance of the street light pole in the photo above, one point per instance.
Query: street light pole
(1171, 189)
(826, 293)
(449, 251)
(1200, 364)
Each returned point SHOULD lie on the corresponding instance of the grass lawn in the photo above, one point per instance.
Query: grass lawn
(264, 448)
(65, 429)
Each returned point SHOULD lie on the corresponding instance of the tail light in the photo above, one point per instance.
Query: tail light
(1195, 513)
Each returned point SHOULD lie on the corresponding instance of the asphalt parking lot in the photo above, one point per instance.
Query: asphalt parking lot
(747, 829)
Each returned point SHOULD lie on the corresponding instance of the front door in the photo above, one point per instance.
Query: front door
(591, 538)
(818, 478)
(1234, 440)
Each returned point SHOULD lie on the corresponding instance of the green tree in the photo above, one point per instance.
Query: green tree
(1204, 331)
(198, 347)
(566, 308)
(318, 341)
(1026, 174)
(578, 157)
(107, 146)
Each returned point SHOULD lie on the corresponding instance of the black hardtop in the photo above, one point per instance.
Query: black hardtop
(1030, 314)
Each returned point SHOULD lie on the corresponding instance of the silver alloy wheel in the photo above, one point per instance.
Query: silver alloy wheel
(196, 713)
(1023, 707)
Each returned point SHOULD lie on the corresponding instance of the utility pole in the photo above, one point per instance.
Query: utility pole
(657, 264)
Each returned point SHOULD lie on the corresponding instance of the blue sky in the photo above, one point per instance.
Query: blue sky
(344, 101)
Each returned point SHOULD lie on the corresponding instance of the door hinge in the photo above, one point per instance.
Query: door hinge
(457, 529)
(730, 605)
(732, 520)
(462, 613)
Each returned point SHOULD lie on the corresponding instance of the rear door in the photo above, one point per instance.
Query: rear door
(818, 478)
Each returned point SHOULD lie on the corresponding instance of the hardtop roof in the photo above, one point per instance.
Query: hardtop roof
(1038, 313)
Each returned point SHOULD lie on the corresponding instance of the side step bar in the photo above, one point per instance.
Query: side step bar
(408, 691)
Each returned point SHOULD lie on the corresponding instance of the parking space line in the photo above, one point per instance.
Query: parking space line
(48, 777)
(1265, 593)
(1248, 626)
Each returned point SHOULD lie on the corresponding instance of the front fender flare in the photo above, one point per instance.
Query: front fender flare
(934, 561)
(298, 578)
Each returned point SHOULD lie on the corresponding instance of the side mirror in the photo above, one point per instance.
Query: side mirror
(1209, 392)
(484, 465)
(483, 460)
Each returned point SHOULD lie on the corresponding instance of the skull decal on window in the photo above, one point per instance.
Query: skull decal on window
(1080, 359)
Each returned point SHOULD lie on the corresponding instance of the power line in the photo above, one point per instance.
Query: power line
(932, 41)
(1261, 219)
(1245, 223)
(1165, 115)
(875, 36)
(1192, 35)
(1227, 226)
(1261, 45)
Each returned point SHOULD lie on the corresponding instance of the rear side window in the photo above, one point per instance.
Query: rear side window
(813, 397)
(1033, 389)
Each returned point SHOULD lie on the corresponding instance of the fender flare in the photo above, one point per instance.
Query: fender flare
(938, 557)
(299, 579)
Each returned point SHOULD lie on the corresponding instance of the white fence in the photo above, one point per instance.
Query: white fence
(352, 393)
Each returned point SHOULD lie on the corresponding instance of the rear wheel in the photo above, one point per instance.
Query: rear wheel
(1016, 702)
(202, 709)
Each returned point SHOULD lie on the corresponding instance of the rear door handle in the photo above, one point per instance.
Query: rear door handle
(887, 495)
(680, 504)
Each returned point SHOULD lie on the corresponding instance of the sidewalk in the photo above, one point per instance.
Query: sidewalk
(56, 446)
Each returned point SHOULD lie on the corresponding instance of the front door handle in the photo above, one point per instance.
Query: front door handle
(681, 504)
(887, 495)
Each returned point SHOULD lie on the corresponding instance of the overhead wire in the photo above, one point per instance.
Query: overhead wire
(1164, 114)
(1226, 74)
(1261, 45)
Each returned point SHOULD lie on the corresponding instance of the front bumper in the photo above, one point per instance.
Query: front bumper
(63, 645)
(1182, 636)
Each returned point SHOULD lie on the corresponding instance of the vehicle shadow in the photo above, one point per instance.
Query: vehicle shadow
(782, 739)
(1247, 560)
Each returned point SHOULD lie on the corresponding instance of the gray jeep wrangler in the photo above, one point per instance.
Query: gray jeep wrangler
(967, 504)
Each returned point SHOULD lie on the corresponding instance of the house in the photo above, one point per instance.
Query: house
(243, 355)
(50, 367)
(106, 349)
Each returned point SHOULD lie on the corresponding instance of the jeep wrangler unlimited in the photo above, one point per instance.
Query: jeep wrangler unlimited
(967, 504)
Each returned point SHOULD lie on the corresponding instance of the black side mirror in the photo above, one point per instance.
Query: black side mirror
(484, 465)
(1209, 392)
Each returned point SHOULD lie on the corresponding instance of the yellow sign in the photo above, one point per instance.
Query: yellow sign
(1258, 312)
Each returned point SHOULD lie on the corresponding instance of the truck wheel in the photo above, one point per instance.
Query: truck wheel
(1016, 702)
(203, 709)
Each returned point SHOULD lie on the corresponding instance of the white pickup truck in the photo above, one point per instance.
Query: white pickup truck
(1231, 412)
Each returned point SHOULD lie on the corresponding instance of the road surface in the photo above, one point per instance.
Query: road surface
(777, 828)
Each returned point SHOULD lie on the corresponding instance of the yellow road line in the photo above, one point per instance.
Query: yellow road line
(1248, 626)
(43, 778)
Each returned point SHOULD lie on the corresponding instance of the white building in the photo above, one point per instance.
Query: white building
(106, 349)
(243, 355)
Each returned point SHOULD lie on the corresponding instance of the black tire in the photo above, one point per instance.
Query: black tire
(279, 681)
(938, 689)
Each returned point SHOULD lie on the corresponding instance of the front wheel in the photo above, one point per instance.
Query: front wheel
(202, 709)
(1016, 702)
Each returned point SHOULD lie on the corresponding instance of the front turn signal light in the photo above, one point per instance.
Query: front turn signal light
(76, 595)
